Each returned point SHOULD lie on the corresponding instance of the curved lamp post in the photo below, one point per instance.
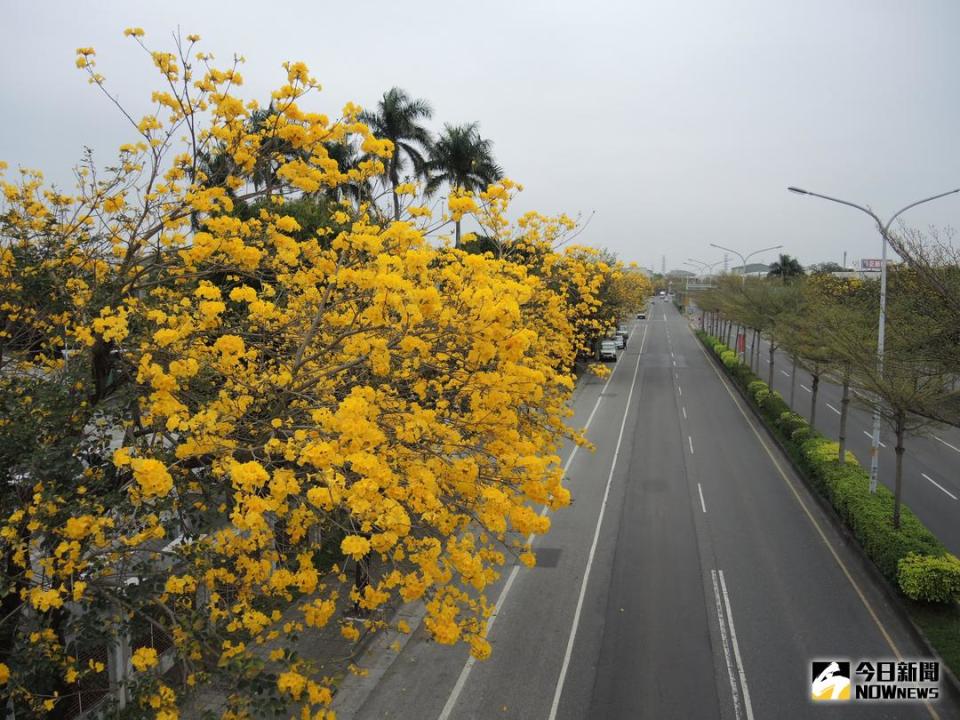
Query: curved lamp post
(884, 228)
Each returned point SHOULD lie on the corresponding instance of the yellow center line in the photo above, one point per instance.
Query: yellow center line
(806, 510)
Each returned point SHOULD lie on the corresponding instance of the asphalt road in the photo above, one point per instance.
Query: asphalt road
(693, 577)
(931, 464)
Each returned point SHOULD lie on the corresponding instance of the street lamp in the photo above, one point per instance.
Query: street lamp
(745, 258)
(884, 229)
(709, 266)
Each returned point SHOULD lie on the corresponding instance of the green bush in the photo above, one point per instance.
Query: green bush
(729, 358)
(932, 579)
(802, 434)
(774, 406)
(757, 385)
(790, 421)
(719, 348)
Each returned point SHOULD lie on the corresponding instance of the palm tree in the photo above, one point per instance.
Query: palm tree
(463, 160)
(348, 158)
(785, 267)
(397, 119)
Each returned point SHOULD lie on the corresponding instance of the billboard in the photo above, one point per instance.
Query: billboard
(871, 264)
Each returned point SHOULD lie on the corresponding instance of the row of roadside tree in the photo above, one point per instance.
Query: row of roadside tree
(238, 395)
(828, 326)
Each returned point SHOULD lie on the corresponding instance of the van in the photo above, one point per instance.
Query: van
(608, 350)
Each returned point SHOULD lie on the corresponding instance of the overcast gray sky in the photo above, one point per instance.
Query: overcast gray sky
(677, 123)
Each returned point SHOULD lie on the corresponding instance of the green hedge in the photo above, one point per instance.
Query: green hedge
(933, 579)
(911, 557)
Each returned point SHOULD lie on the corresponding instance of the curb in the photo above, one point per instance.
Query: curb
(377, 657)
(894, 598)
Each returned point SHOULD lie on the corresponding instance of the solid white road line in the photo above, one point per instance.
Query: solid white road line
(471, 661)
(684, 408)
(680, 390)
(703, 505)
(558, 692)
(736, 649)
(833, 408)
(805, 387)
(952, 447)
(882, 444)
(734, 691)
(785, 373)
(690, 439)
(939, 486)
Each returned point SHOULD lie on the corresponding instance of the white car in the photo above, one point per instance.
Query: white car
(621, 341)
(608, 350)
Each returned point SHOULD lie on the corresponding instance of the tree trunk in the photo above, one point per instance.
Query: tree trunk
(813, 397)
(361, 579)
(898, 481)
(793, 382)
(844, 405)
(773, 349)
(456, 243)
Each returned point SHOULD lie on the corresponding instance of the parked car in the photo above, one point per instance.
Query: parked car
(620, 340)
(622, 330)
(608, 350)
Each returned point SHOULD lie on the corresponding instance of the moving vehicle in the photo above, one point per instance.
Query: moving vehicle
(642, 315)
(608, 350)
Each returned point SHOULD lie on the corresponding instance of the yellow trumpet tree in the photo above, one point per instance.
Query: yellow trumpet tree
(213, 414)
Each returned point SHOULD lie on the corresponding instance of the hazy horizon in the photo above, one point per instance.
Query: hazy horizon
(674, 126)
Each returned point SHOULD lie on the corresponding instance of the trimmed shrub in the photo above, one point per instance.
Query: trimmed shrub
(756, 386)
(932, 579)
(719, 348)
(802, 434)
(790, 421)
(729, 358)
(774, 406)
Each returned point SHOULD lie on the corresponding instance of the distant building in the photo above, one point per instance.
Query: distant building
(753, 269)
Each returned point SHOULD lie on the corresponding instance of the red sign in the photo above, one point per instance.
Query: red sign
(871, 264)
